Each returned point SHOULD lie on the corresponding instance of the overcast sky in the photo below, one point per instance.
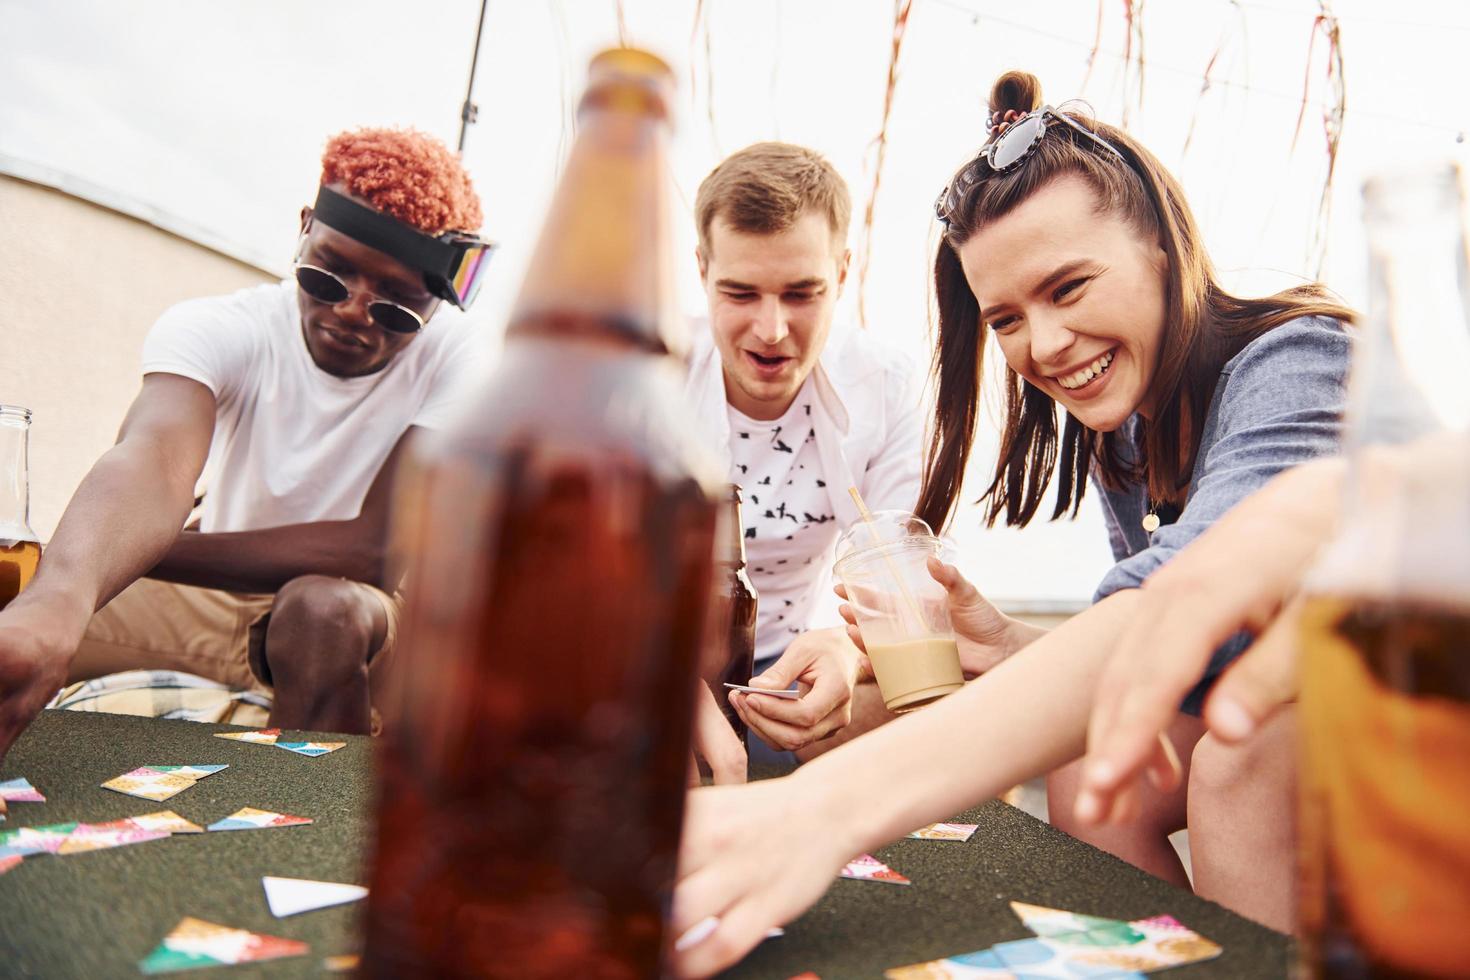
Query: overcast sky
(209, 118)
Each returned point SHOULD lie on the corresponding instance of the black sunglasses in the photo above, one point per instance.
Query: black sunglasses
(327, 287)
(1007, 152)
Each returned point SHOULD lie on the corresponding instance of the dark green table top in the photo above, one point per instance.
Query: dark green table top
(97, 914)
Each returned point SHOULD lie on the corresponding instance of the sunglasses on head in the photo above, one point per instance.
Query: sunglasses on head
(328, 287)
(1007, 152)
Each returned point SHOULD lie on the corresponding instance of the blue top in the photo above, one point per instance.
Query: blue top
(1277, 403)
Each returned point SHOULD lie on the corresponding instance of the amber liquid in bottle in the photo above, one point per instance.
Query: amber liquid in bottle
(560, 544)
(1386, 828)
(18, 563)
(20, 551)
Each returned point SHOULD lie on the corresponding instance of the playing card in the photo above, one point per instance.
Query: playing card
(261, 736)
(168, 822)
(25, 841)
(946, 831)
(311, 748)
(9, 861)
(1119, 949)
(865, 867)
(20, 791)
(150, 784)
(100, 836)
(789, 695)
(195, 943)
(288, 896)
(249, 818)
(980, 965)
(195, 773)
(1073, 946)
(1056, 922)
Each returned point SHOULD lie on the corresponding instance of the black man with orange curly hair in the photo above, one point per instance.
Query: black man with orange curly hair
(301, 396)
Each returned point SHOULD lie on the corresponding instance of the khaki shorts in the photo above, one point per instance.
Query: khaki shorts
(153, 625)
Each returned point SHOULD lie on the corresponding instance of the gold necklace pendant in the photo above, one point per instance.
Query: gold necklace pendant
(1151, 522)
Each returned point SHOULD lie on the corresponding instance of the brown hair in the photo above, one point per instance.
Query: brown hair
(766, 187)
(407, 174)
(1204, 327)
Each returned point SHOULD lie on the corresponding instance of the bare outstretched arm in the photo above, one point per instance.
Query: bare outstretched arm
(120, 522)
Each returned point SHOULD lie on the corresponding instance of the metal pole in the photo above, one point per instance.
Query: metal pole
(469, 112)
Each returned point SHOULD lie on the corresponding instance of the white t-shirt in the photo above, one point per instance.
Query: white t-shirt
(292, 443)
(868, 420)
(788, 518)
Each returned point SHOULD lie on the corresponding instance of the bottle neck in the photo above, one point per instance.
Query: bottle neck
(15, 498)
(1414, 348)
(733, 552)
(1411, 358)
(604, 261)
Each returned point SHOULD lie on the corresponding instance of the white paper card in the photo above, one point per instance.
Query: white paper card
(288, 896)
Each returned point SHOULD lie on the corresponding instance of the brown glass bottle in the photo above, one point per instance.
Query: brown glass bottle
(735, 610)
(20, 551)
(559, 548)
(1384, 708)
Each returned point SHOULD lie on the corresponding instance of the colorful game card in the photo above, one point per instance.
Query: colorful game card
(1057, 922)
(1038, 958)
(149, 784)
(195, 943)
(26, 841)
(249, 818)
(100, 836)
(946, 831)
(981, 965)
(865, 867)
(167, 821)
(1072, 946)
(195, 773)
(20, 791)
(9, 861)
(311, 748)
(261, 736)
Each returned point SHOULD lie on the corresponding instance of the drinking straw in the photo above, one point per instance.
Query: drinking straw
(872, 526)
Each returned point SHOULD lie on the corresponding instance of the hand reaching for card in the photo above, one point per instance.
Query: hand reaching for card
(751, 857)
(39, 633)
(826, 667)
(1241, 574)
(985, 635)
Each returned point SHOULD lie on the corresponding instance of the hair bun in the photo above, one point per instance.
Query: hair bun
(1018, 91)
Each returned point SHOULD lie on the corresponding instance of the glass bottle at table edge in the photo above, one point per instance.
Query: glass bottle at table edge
(560, 549)
(737, 604)
(1385, 701)
(20, 548)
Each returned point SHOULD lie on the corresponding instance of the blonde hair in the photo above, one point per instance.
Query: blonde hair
(765, 188)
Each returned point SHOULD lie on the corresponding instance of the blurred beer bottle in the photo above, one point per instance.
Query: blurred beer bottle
(1385, 702)
(560, 545)
(20, 550)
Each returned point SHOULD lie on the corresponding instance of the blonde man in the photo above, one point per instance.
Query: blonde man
(801, 411)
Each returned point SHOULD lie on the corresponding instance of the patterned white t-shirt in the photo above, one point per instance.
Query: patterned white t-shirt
(789, 524)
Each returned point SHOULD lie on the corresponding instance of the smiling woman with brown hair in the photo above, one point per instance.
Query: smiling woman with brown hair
(1069, 242)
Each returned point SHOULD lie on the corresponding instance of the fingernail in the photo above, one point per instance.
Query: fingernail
(697, 933)
(1099, 771)
(1087, 806)
(1230, 719)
